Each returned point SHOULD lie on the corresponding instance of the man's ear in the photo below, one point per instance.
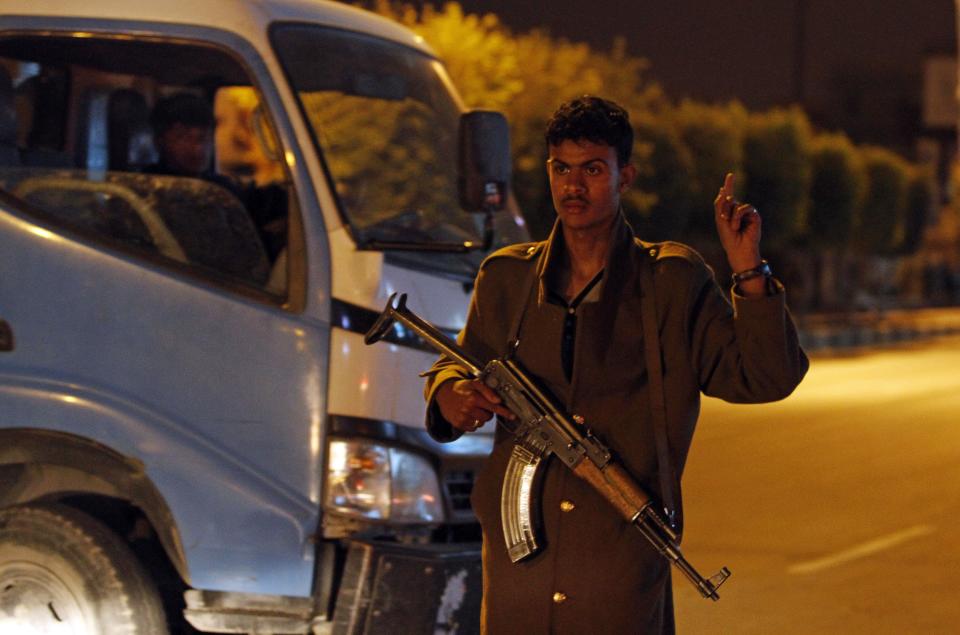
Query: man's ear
(627, 174)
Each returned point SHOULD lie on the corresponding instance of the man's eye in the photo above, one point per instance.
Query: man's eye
(560, 168)
(594, 170)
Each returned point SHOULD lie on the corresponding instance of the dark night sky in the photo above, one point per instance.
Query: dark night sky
(720, 49)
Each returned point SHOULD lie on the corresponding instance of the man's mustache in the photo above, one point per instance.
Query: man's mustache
(574, 198)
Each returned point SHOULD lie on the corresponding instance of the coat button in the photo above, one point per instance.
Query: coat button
(559, 598)
(567, 506)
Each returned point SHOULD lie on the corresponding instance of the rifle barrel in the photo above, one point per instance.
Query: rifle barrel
(424, 329)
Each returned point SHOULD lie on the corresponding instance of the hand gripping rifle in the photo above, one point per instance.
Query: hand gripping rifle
(542, 429)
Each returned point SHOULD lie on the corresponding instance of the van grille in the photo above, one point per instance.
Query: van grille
(459, 484)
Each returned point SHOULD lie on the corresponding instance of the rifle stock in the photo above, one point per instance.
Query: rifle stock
(543, 429)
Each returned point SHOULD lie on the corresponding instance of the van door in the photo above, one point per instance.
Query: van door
(160, 313)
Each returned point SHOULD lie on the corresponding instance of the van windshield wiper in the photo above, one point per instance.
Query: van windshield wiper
(466, 246)
(404, 245)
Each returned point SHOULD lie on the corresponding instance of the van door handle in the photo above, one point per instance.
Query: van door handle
(6, 336)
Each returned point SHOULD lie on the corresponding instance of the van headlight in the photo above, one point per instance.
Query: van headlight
(380, 482)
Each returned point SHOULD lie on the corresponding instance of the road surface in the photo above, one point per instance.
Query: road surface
(838, 509)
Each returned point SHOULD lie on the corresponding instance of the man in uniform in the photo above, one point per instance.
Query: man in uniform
(572, 306)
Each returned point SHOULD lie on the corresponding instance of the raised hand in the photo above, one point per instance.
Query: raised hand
(738, 225)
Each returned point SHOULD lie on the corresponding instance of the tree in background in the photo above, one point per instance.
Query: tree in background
(880, 218)
(815, 192)
(776, 160)
(936, 267)
(478, 51)
(925, 275)
(713, 135)
(918, 212)
(837, 187)
(526, 76)
(659, 205)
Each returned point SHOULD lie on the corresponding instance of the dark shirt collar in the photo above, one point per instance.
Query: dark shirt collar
(557, 297)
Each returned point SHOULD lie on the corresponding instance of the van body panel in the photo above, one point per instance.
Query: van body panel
(358, 372)
(249, 19)
(213, 392)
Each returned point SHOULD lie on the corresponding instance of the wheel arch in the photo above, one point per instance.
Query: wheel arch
(39, 465)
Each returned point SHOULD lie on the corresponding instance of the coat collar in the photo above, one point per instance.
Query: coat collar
(618, 267)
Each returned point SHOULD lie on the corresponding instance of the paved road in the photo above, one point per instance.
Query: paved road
(838, 510)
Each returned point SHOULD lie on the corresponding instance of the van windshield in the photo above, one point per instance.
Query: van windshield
(386, 123)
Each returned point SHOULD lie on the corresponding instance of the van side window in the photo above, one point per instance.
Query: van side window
(158, 149)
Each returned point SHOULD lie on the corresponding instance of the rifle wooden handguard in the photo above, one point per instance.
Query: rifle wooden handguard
(616, 486)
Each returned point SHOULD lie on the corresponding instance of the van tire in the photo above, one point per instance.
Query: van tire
(58, 565)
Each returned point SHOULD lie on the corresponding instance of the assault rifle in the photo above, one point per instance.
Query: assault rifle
(542, 429)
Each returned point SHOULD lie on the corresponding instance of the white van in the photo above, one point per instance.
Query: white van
(192, 433)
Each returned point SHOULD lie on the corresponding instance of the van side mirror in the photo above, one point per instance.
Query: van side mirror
(484, 161)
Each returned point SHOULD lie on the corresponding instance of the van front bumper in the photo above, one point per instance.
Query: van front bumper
(385, 588)
(389, 588)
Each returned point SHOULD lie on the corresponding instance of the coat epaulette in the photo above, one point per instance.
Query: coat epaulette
(671, 249)
(519, 251)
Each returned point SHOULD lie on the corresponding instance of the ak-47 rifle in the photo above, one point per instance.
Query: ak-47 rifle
(542, 429)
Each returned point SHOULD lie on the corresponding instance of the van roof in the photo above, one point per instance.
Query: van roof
(248, 18)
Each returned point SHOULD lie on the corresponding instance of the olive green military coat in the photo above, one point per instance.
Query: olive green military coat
(595, 573)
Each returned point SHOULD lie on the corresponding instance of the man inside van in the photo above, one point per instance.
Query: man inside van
(573, 311)
(183, 132)
(183, 127)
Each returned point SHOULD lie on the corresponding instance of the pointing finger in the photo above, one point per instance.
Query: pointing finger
(727, 188)
(728, 184)
(724, 202)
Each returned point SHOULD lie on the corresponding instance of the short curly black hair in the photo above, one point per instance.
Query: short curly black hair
(184, 108)
(593, 119)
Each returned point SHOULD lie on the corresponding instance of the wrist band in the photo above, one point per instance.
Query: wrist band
(763, 269)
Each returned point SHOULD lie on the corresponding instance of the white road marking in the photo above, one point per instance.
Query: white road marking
(862, 550)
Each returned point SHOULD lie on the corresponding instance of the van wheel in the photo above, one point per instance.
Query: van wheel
(62, 571)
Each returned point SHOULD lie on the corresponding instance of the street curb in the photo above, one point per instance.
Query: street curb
(824, 333)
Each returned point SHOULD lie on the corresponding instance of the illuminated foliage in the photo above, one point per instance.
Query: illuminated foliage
(478, 51)
(526, 76)
(806, 186)
(382, 156)
(245, 146)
